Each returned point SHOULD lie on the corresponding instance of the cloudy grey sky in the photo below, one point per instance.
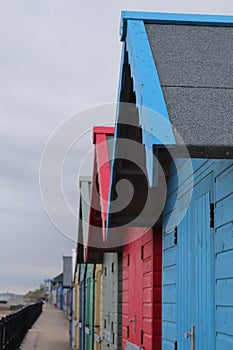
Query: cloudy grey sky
(57, 57)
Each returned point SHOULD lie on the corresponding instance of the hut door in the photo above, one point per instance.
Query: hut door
(89, 314)
(82, 297)
(135, 293)
(97, 313)
(195, 284)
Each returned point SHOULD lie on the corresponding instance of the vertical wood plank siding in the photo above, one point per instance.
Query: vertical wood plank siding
(220, 279)
(224, 255)
(112, 305)
(141, 291)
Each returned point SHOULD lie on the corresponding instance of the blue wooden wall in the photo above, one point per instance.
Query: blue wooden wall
(177, 258)
(224, 255)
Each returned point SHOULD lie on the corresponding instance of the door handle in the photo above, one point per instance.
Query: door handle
(186, 335)
(134, 323)
(191, 336)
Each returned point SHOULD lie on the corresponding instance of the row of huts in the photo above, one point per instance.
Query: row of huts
(154, 263)
(111, 275)
(58, 290)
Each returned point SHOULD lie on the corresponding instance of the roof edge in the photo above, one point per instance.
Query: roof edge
(83, 178)
(106, 130)
(173, 18)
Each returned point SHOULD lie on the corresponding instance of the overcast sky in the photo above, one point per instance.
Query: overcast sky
(57, 57)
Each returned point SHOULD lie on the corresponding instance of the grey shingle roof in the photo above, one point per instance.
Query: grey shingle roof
(195, 66)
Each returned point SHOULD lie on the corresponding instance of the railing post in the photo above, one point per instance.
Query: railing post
(1, 333)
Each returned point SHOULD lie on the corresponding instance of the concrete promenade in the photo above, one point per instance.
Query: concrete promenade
(49, 332)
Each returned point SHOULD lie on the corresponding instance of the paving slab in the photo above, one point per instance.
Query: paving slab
(49, 332)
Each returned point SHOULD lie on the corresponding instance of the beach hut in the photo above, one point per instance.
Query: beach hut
(89, 307)
(80, 266)
(89, 279)
(175, 70)
(81, 306)
(98, 307)
(105, 255)
(57, 286)
(67, 286)
(74, 295)
(141, 277)
(112, 301)
(76, 310)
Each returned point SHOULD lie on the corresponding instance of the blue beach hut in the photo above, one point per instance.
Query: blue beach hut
(176, 71)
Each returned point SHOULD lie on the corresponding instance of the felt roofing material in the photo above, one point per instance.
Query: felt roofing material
(195, 66)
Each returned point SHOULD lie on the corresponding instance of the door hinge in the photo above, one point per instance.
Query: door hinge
(141, 336)
(142, 252)
(127, 332)
(175, 345)
(211, 215)
(175, 235)
(128, 259)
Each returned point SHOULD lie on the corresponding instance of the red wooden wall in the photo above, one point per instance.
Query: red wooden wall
(141, 291)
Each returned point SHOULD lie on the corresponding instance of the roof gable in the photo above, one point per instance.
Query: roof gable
(174, 69)
(180, 66)
(101, 140)
(99, 192)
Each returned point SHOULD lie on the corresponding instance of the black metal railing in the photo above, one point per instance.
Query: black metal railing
(14, 327)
